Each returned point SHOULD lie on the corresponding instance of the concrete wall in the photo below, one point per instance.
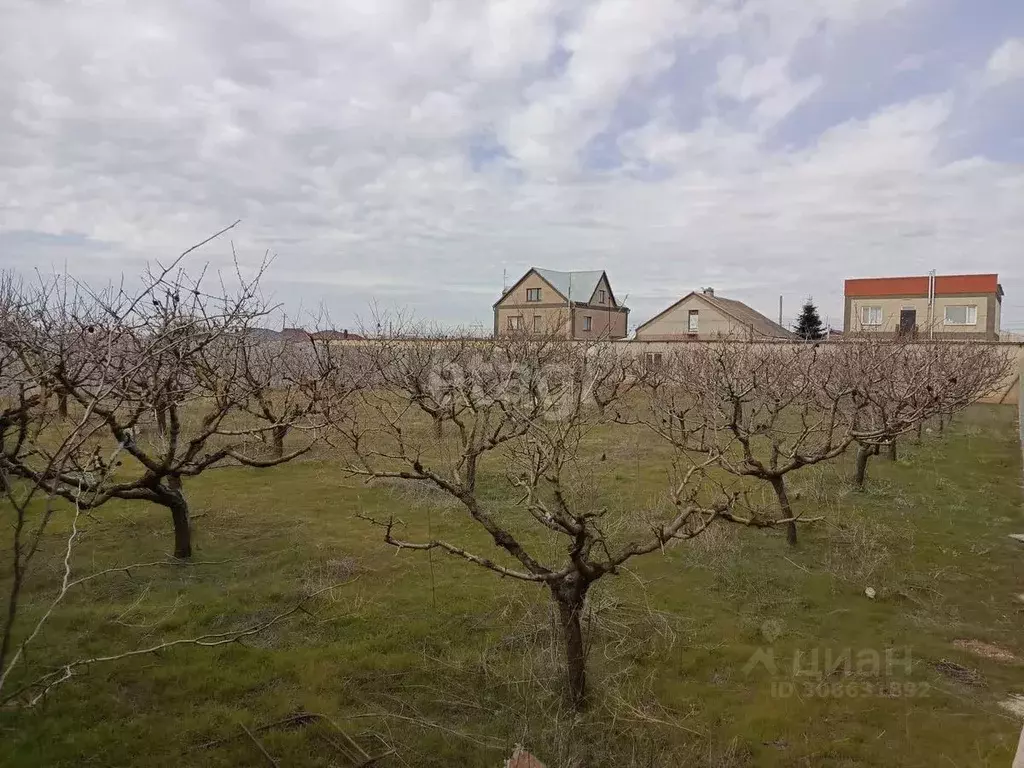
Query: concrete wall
(987, 325)
(675, 323)
(1007, 393)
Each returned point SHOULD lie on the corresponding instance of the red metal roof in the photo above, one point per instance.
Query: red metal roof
(945, 285)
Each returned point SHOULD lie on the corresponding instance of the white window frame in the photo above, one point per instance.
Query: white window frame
(693, 321)
(588, 322)
(870, 311)
(970, 313)
(533, 295)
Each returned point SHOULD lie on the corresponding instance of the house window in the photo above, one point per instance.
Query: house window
(961, 315)
(533, 294)
(536, 323)
(654, 359)
(586, 323)
(870, 315)
(600, 296)
(693, 319)
(515, 322)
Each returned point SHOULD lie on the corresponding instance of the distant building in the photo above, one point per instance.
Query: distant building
(704, 315)
(342, 335)
(964, 306)
(579, 305)
(301, 334)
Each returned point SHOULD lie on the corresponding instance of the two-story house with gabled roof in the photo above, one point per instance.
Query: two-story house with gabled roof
(578, 305)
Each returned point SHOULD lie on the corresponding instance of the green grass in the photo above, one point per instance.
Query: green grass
(451, 665)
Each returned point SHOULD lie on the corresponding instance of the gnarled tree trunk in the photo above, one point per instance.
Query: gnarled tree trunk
(570, 595)
(176, 502)
(62, 404)
(280, 432)
(779, 486)
(864, 452)
(892, 450)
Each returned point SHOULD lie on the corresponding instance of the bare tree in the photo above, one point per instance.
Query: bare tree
(165, 372)
(902, 383)
(760, 411)
(286, 379)
(24, 418)
(52, 341)
(445, 411)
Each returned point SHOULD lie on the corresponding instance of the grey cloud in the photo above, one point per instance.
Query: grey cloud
(347, 136)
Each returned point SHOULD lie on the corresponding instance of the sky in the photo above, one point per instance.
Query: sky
(417, 154)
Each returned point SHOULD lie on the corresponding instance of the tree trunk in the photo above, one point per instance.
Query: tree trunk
(280, 433)
(892, 450)
(920, 430)
(179, 516)
(161, 421)
(779, 486)
(864, 452)
(62, 404)
(942, 422)
(570, 596)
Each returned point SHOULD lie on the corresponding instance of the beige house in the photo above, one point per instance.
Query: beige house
(580, 305)
(960, 306)
(703, 315)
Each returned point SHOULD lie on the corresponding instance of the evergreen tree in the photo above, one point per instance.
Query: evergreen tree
(808, 325)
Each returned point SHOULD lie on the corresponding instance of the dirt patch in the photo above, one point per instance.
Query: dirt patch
(959, 673)
(985, 650)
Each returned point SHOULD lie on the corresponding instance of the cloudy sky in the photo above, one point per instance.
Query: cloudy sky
(411, 151)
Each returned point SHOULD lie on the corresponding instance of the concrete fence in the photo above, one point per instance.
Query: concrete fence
(1009, 392)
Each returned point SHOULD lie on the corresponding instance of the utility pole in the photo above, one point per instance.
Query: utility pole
(780, 310)
(931, 304)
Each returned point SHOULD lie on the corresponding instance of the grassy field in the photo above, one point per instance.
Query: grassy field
(450, 665)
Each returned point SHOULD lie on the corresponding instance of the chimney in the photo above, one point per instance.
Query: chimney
(709, 291)
(344, 334)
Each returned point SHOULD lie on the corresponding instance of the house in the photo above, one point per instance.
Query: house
(961, 306)
(579, 305)
(294, 334)
(703, 315)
